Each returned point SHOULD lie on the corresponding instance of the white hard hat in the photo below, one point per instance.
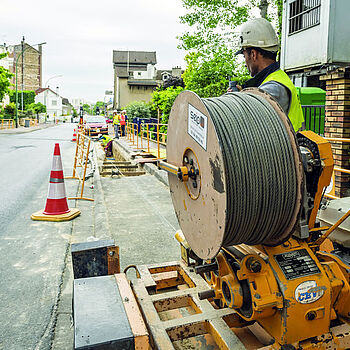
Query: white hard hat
(258, 32)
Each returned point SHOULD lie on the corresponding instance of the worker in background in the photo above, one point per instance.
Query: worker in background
(259, 45)
(116, 124)
(122, 122)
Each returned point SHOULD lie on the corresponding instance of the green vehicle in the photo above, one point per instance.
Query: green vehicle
(313, 102)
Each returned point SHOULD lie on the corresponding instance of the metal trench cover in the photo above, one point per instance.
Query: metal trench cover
(202, 220)
(100, 319)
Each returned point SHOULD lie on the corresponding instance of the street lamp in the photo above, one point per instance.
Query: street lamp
(56, 76)
(17, 79)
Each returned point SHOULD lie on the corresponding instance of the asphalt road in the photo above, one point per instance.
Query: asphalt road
(32, 252)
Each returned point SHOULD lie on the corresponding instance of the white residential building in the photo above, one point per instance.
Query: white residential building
(51, 100)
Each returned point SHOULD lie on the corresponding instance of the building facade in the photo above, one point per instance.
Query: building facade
(29, 65)
(52, 101)
(134, 77)
(314, 39)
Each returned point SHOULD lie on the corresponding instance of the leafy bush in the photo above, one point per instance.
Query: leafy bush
(164, 99)
(28, 98)
(138, 109)
(75, 113)
(10, 110)
(37, 108)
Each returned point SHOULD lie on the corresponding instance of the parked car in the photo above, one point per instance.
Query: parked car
(96, 124)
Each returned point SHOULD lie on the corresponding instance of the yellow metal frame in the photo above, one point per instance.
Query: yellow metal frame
(7, 124)
(80, 161)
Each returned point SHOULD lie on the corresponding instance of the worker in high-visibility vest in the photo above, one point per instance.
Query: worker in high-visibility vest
(104, 139)
(116, 119)
(259, 45)
(106, 143)
(123, 122)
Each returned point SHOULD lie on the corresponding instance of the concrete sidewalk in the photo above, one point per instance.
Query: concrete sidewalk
(137, 213)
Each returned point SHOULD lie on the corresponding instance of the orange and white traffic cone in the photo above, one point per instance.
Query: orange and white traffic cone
(56, 208)
(74, 138)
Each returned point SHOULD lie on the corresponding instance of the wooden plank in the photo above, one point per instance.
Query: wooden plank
(133, 313)
(205, 312)
(146, 276)
(146, 160)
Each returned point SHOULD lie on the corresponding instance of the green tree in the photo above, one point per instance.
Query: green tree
(212, 41)
(87, 108)
(75, 113)
(5, 76)
(101, 106)
(213, 23)
(208, 76)
(138, 109)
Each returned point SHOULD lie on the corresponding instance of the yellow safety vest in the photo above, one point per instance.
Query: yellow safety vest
(105, 140)
(295, 113)
(116, 120)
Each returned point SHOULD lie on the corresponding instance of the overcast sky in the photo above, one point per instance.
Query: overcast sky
(82, 34)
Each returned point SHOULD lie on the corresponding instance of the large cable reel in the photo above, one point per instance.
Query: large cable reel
(242, 178)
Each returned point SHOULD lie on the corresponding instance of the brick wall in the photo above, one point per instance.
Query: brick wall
(337, 124)
(32, 69)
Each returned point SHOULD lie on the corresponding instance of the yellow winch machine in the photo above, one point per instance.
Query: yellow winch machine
(247, 192)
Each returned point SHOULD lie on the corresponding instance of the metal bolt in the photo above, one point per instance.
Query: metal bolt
(126, 299)
(253, 265)
(111, 253)
(310, 316)
(257, 296)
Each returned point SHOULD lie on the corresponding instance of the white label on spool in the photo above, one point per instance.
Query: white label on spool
(197, 126)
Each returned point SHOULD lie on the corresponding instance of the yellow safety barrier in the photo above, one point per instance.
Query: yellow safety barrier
(146, 138)
(80, 161)
(7, 123)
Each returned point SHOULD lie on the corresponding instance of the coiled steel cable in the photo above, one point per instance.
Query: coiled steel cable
(259, 164)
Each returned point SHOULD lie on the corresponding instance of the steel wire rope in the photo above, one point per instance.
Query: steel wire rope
(259, 167)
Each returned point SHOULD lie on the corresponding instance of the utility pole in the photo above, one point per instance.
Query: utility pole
(17, 58)
(22, 44)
